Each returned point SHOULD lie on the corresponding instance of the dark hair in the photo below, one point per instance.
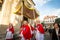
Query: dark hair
(56, 23)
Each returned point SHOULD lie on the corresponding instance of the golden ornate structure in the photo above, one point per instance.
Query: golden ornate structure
(27, 9)
(13, 11)
(20, 7)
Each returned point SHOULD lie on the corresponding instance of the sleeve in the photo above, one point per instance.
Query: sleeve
(22, 32)
(21, 35)
(41, 29)
(25, 30)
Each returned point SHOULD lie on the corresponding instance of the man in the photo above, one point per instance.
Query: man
(25, 32)
(39, 31)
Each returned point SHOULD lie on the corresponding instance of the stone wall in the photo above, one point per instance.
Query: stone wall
(3, 31)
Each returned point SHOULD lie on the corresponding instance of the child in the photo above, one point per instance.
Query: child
(10, 32)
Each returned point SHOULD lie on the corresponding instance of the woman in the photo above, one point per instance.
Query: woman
(56, 32)
(10, 32)
(25, 32)
(39, 31)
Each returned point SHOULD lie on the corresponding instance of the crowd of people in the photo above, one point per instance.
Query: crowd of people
(28, 32)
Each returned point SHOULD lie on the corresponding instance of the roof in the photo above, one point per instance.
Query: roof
(47, 17)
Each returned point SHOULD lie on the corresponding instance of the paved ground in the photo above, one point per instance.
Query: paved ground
(47, 36)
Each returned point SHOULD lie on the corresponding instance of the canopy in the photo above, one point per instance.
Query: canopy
(27, 10)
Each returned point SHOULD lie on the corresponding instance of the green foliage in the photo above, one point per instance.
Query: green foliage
(43, 23)
(57, 20)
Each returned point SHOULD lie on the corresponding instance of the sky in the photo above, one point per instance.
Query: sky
(47, 7)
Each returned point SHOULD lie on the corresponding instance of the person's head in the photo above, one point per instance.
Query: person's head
(10, 25)
(37, 21)
(55, 25)
(25, 23)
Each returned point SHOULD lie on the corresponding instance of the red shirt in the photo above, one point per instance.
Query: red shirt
(26, 31)
(40, 28)
(12, 30)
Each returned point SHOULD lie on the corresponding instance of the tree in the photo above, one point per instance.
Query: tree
(58, 21)
(43, 23)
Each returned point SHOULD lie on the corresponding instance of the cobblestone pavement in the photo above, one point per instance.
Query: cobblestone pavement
(47, 36)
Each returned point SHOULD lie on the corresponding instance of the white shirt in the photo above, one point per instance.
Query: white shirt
(57, 31)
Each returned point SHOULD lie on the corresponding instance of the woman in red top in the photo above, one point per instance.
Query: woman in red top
(25, 32)
(39, 31)
(10, 32)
